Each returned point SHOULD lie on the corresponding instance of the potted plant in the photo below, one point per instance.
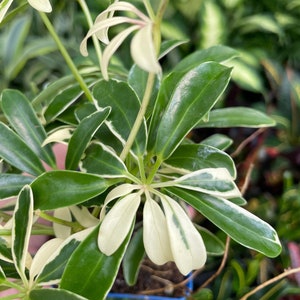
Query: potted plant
(131, 172)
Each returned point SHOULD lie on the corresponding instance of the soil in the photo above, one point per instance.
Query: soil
(152, 277)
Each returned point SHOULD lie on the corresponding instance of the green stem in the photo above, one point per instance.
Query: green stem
(149, 9)
(74, 225)
(66, 56)
(154, 170)
(89, 19)
(140, 117)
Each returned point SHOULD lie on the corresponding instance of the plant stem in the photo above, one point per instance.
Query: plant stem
(154, 170)
(73, 225)
(66, 56)
(140, 117)
(89, 19)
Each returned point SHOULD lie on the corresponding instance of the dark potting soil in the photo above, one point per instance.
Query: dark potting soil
(152, 277)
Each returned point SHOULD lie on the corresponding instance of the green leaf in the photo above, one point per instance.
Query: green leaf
(82, 136)
(237, 117)
(32, 49)
(16, 152)
(56, 189)
(52, 90)
(125, 106)
(51, 294)
(219, 141)
(168, 46)
(133, 257)
(11, 184)
(216, 53)
(23, 119)
(197, 91)
(62, 101)
(15, 40)
(101, 160)
(137, 79)
(193, 157)
(89, 272)
(21, 228)
(213, 245)
(2, 276)
(238, 223)
(5, 250)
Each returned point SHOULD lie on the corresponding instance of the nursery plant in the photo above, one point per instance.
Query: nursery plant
(132, 174)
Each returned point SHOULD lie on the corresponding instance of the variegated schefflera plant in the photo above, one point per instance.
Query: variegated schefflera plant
(127, 152)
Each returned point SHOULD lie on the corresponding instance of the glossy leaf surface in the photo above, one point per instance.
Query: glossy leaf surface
(63, 188)
(133, 257)
(237, 117)
(102, 160)
(82, 136)
(23, 119)
(213, 245)
(216, 53)
(238, 223)
(197, 91)
(11, 184)
(21, 228)
(219, 141)
(193, 157)
(89, 272)
(137, 79)
(125, 106)
(51, 294)
(16, 152)
(62, 101)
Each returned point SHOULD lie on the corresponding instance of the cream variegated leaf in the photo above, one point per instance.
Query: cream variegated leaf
(4, 6)
(187, 245)
(49, 256)
(99, 27)
(143, 51)
(117, 223)
(112, 48)
(62, 231)
(117, 192)
(84, 217)
(155, 233)
(214, 181)
(42, 255)
(41, 5)
(59, 135)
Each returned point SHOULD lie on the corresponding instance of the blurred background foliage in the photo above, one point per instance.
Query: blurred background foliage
(266, 76)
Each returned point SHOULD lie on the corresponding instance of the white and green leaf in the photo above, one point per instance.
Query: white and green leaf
(101, 159)
(187, 246)
(50, 263)
(21, 229)
(82, 136)
(23, 119)
(213, 181)
(244, 227)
